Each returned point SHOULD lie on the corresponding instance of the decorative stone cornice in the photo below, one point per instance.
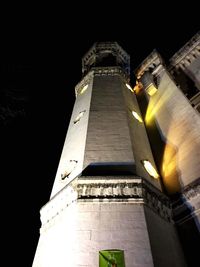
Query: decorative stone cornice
(109, 189)
(187, 54)
(195, 101)
(110, 71)
(124, 188)
(99, 49)
(100, 71)
(153, 63)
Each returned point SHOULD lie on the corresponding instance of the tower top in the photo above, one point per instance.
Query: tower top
(106, 54)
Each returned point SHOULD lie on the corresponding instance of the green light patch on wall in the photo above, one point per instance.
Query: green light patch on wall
(111, 258)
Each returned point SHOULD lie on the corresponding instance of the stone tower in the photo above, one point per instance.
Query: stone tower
(107, 193)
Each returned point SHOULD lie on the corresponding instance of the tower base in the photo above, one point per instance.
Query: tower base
(92, 214)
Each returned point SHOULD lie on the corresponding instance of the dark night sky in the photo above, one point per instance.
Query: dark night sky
(41, 67)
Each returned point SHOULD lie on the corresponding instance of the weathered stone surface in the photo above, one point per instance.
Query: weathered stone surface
(108, 138)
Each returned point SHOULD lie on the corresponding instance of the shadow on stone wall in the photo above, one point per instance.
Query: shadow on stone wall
(165, 153)
(187, 84)
(188, 228)
(109, 169)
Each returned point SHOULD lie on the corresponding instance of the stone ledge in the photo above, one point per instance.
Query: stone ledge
(110, 71)
(102, 71)
(187, 54)
(153, 62)
(112, 189)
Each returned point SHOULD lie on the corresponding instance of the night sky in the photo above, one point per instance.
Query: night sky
(41, 67)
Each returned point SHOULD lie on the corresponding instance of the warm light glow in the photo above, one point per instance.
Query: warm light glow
(83, 89)
(151, 90)
(138, 87)
(136, 116)
(178, 139)
(129, 87)
(181, 154)
(150, 169)
(170, 172)
(157, 104)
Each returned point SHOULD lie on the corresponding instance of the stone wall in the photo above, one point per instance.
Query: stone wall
(108, 138)
(71, 160)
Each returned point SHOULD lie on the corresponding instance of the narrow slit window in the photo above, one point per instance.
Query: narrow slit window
(136, 116)
(129, 87)
(83, 89)
(71, 166)
(150, 169)
(80, 115)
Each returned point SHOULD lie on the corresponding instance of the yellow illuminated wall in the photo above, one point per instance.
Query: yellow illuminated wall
(179, 127)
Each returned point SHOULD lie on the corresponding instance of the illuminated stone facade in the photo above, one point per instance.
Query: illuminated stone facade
(172, 115)
(103, 197)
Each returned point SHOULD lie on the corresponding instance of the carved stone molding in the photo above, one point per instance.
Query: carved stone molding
(100, 71)
(152, 63)
(107, 189)
(109, 71)
(101, 48)
(136, 188)
(187, 54)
